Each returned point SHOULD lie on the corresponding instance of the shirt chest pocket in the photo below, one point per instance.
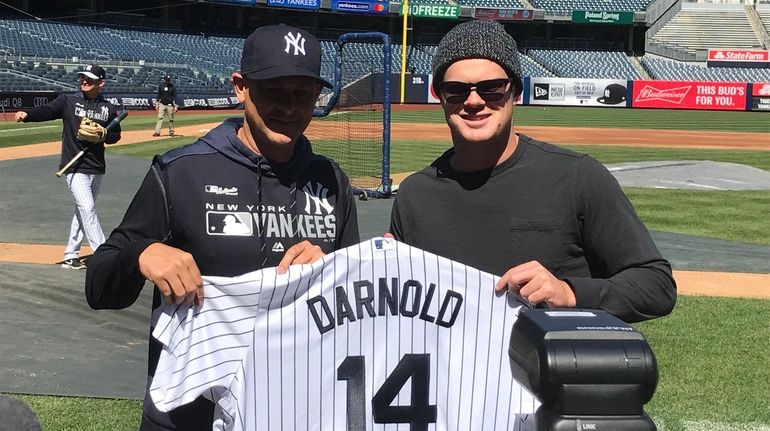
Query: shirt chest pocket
(545, 240)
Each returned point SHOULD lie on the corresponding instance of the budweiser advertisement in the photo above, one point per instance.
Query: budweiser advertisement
(690, 95)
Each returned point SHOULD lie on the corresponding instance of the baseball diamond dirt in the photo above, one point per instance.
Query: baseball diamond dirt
(755, 285)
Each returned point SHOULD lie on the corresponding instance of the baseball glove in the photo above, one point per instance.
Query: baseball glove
(91, 131)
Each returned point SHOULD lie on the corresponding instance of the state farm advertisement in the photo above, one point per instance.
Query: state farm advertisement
(690, 95)
(738, 55)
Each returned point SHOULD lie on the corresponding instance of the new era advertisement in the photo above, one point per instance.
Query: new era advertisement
(690, 95)
(578, 92)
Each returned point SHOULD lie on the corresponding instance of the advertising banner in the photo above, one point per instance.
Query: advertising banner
(147, 101)
(738, 55)
(17, 100)
(753, 58)
(503, 14)
(602, 17)
(760, 96)
(760, 103)
(361, 6)
(295, 4)
(432, 10)
(760, 89)
(432, 96)
(690, 95)
(578, 92)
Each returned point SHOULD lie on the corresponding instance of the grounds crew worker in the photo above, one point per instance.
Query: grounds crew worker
(166, 104)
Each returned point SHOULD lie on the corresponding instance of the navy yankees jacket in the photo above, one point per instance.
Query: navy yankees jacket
(235, 212)
(70, 108)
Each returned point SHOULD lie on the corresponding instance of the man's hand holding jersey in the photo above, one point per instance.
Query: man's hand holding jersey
(173, 271)
(303, 252)
(533, 282)
(178, 279)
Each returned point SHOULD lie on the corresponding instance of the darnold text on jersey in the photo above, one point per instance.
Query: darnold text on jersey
(409, 299)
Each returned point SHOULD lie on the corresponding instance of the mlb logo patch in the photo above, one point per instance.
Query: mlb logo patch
(229, 223)
(384, 244)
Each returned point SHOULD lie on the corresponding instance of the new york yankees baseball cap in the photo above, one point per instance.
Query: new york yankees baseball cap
(275, 51)
(93, 71)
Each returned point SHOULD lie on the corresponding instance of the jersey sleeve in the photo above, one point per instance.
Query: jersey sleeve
(203, 347)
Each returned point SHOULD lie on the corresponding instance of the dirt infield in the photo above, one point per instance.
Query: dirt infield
(689, 282)
(577, 135)
(432, 132)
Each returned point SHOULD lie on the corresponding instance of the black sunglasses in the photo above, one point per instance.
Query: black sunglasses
(491, 90)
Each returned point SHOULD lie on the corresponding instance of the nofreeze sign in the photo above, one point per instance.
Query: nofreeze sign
(432, 11)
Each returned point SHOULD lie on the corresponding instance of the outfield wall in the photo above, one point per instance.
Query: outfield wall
(615, 93)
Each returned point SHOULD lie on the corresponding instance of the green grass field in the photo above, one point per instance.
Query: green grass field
(711, 352)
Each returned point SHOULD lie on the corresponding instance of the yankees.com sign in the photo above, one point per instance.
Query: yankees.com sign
(690, 95)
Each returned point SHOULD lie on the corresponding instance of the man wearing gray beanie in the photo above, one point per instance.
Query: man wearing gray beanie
(554, 224)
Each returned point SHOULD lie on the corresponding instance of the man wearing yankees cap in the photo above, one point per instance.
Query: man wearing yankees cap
(85, 115)
(250, 194)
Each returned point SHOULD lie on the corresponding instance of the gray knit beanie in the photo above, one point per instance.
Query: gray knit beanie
(478, 39)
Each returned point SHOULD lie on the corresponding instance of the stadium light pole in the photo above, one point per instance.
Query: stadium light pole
(405, 5)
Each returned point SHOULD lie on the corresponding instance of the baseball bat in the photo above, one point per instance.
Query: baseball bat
(115, 121)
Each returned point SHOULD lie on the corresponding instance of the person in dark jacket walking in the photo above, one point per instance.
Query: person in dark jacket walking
(85, 176)
(248, 195)
(166, 105)
(554, 224)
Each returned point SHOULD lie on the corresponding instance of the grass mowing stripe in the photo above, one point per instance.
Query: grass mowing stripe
(712, 359)
(729, 215)
(674, 119)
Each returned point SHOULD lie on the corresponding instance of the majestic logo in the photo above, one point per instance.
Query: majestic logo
(218, 190)
(316, 196)
(671, 95)
(298, 42)
(278, 248)
(229, 223)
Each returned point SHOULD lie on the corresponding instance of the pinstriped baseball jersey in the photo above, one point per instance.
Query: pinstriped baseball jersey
(376, 336)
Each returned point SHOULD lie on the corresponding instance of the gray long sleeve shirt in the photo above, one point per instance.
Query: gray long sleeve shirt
(544, 203)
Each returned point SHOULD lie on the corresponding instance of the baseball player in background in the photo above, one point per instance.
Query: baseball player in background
(85, 115)
(553, 223)
(166, 105)
(250, 194)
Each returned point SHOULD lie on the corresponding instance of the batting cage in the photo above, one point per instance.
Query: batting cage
(353, 124)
